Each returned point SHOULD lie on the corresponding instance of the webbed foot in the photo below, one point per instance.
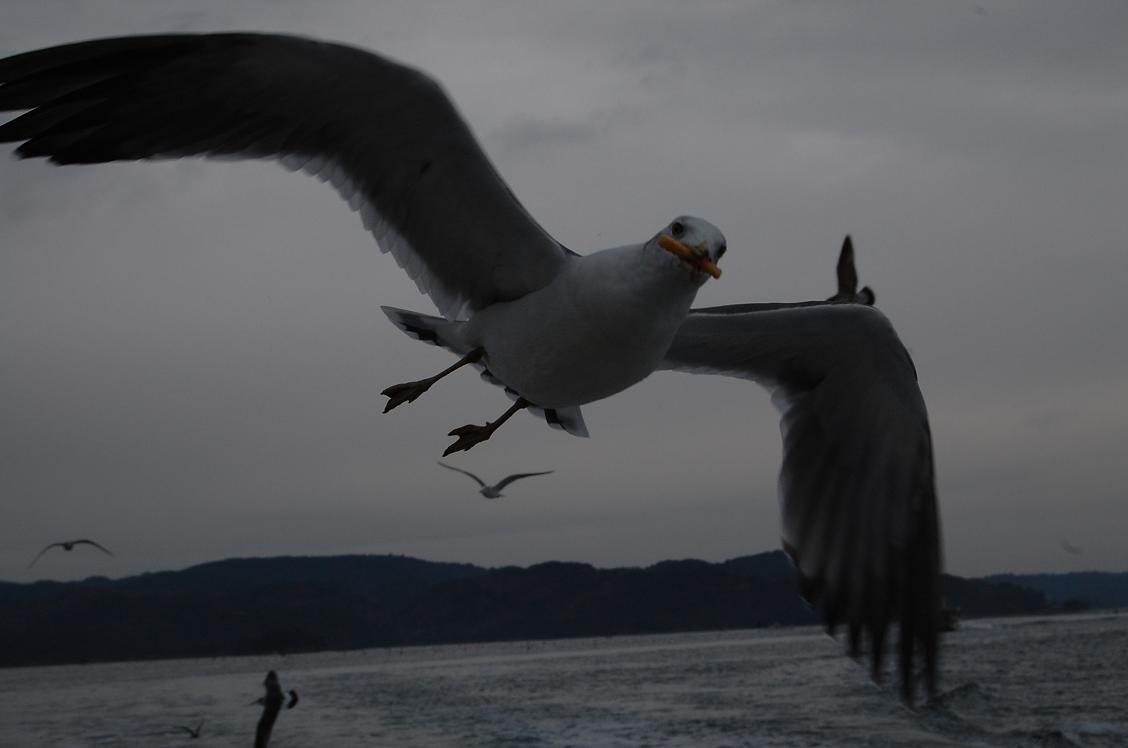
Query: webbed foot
(398, 394)
(468, 436)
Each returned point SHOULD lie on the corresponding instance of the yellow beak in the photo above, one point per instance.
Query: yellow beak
(695, 257)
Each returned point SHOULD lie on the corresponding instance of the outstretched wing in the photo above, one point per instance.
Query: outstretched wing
(477, 480)
(519, 476)
(385, 135)
(91, 542)
(40, 554)
(857, 489)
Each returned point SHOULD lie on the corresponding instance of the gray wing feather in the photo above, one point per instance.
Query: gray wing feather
(857, 487)
(518, 476)
(96, 545)
(40, 554)
(385, 135)
(477, 480)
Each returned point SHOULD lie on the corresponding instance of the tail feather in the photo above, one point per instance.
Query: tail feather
(570, 419)
(429, 329)
(565, 419)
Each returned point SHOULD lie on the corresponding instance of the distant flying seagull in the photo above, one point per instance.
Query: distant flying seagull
(271, 705)
(293, 702)
(556, 329)
(192, 733)
(1071, 549)
(68, 545)
(494, 491)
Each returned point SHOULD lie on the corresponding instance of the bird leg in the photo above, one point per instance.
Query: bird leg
(470, 434)
(398, 394)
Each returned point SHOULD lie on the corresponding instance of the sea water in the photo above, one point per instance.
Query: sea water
(1052, 681)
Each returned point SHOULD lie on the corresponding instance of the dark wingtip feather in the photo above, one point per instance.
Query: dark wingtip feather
(905, 663)
(847, 274)
(63, 148)
(38, 61)
(877, 655)
(855, 639)
(911, 598)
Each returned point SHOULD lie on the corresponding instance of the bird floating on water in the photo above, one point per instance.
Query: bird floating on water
(68, 545)
(494, 491)
(556, 329)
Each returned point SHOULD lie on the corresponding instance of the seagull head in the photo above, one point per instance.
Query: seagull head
(696, 243)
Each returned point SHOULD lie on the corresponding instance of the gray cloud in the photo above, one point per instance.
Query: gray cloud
(527, 132)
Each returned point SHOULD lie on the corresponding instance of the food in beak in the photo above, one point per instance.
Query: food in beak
(697, 258)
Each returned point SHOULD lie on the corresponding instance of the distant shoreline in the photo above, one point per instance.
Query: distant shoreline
(246, 607)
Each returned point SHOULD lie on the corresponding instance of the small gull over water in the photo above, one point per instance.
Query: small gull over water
(192, 732)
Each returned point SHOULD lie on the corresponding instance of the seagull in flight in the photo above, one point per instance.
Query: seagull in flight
(68, 545)
(554, 328)
(192, 733)
(1071, 549)
(494, 491)
(293, 702)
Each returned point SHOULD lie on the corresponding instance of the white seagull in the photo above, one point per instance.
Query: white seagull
(557, 330)
(494, 491)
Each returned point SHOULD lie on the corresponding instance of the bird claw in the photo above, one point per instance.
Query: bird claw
(468, 436)
(398, 394)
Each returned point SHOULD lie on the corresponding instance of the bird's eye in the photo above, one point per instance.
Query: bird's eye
(677, 228)
(721, 251)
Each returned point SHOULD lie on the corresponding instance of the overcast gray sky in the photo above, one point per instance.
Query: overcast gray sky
(192, 352)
